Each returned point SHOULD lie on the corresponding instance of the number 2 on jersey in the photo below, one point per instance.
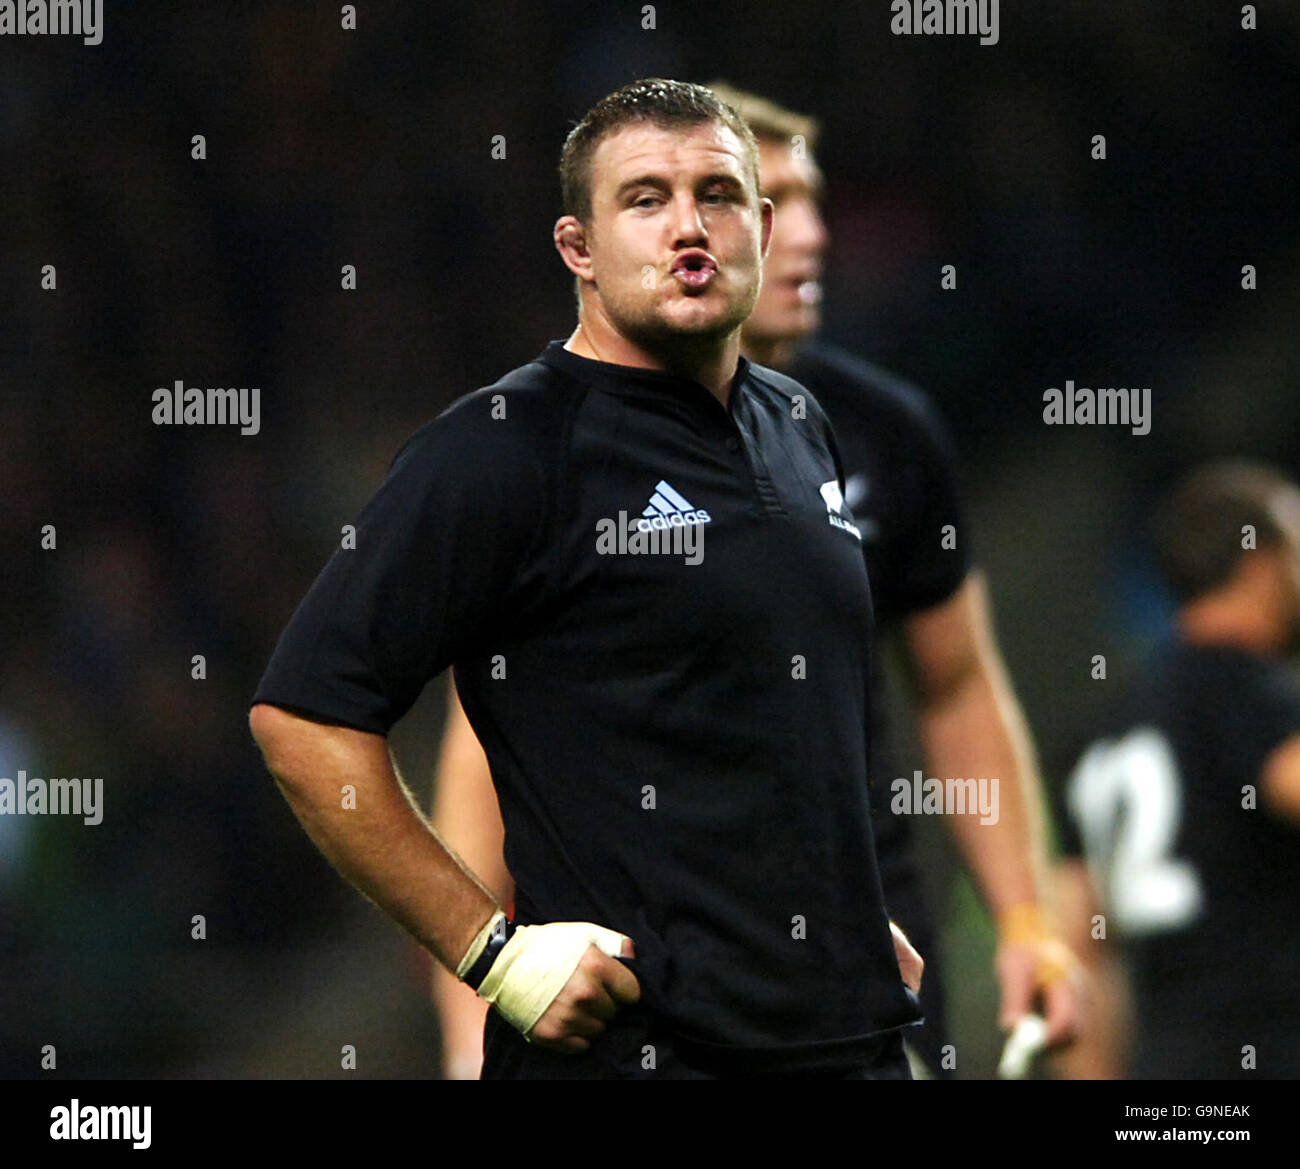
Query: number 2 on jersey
(1126, 796)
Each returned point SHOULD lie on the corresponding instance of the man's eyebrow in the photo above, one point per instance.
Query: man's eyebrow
(629, 185)
(658, 183)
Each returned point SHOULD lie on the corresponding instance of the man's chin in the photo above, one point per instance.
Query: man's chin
(693, 326)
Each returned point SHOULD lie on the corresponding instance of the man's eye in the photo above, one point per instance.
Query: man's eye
(717, 197)
(646, 201)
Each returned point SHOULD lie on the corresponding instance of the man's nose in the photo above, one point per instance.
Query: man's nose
(688, 226)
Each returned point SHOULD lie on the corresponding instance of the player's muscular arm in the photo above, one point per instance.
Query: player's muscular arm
(381, 845)
(467, 819)
(970, 725)
(1280, 779)
(384, 846)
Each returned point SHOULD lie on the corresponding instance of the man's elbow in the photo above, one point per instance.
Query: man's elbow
(307, 758)
(275, 732)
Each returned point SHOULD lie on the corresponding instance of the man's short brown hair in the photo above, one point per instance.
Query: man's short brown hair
(769, 121)
(1198, 526)
(660, 102)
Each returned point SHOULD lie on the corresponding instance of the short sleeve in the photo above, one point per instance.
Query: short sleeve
(445, 552)
(930, 557)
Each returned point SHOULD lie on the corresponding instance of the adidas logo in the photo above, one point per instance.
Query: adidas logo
(669, 509)
(668, 526)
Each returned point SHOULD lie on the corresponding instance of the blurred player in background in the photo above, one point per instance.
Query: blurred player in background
(1186, 806)
(900, 485)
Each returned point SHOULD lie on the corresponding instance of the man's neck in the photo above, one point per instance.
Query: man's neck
(775, 352)
(709, 362)
(1214, 622)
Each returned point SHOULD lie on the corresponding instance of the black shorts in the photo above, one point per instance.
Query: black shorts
(636, 1047)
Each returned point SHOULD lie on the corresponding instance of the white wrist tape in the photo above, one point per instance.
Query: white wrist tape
(536, 962)
(479, 944)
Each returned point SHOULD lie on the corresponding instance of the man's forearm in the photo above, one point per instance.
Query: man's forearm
(978, 731)
(971, 727)
(342, 786)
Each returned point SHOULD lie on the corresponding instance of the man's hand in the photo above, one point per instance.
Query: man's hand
(1034, 965)
(910, 963)
(593, 996)
(557, 984)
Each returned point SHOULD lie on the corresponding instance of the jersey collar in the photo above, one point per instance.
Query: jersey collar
(630, 380)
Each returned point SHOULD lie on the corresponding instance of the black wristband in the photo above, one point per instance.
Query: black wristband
(475, 975)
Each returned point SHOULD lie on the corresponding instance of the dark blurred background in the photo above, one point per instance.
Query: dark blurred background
(372, 147)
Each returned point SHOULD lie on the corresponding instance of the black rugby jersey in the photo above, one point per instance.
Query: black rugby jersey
(1201, 888)
(675, 729)
(901, 485)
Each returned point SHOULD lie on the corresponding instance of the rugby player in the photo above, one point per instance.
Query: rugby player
(1184, 809)
(676, 743)
(901, 488)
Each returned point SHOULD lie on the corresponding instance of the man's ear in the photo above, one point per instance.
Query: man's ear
(768, 210)
(571, 242)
